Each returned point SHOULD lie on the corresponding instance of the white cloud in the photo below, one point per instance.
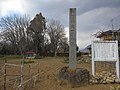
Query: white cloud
(98, 17)
(93, 21)
(67, 32)
(11, 6)
(83, 40)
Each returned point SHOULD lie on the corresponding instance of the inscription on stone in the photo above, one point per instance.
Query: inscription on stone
(72, 37)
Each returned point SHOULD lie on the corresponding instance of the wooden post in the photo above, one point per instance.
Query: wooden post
(38, 67)
(93, 61)
(5, 73)
(29, 73)
(117, 62)
(38, 70)
(21, 76)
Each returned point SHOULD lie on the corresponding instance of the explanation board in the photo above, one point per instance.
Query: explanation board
(105, 50)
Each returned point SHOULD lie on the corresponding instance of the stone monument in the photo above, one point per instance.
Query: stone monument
(72, 38)
(75, 76)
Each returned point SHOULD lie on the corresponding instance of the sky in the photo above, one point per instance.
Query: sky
(92, 15)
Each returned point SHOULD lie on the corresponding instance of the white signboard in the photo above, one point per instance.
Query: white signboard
(105, 51)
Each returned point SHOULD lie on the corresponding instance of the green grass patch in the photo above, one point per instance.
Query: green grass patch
(27, 61)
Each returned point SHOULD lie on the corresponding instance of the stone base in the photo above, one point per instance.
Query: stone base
(77, 78)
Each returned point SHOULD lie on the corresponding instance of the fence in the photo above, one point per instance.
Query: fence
(19, 80)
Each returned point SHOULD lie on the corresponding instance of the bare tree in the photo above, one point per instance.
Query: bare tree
(55, 31)
(63, 46)
(14, 27)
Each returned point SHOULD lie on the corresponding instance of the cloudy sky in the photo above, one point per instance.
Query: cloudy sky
(92, 15)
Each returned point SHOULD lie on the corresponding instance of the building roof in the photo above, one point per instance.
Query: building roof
(109, 32)
(86, 49)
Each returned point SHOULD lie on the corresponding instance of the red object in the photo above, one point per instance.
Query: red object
(29, 55)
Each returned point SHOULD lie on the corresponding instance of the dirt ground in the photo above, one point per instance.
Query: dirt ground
(49, 69)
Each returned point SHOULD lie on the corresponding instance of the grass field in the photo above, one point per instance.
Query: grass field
(49, 69)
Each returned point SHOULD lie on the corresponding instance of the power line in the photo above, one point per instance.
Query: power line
(111, 21)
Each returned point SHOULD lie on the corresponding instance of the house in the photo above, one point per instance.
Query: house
(29, 55)
(110, 35)
(86, 51)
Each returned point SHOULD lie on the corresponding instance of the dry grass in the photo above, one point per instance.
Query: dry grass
(49, 69)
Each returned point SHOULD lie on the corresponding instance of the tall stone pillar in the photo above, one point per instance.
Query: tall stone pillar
(72, 38)
(71, 73)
